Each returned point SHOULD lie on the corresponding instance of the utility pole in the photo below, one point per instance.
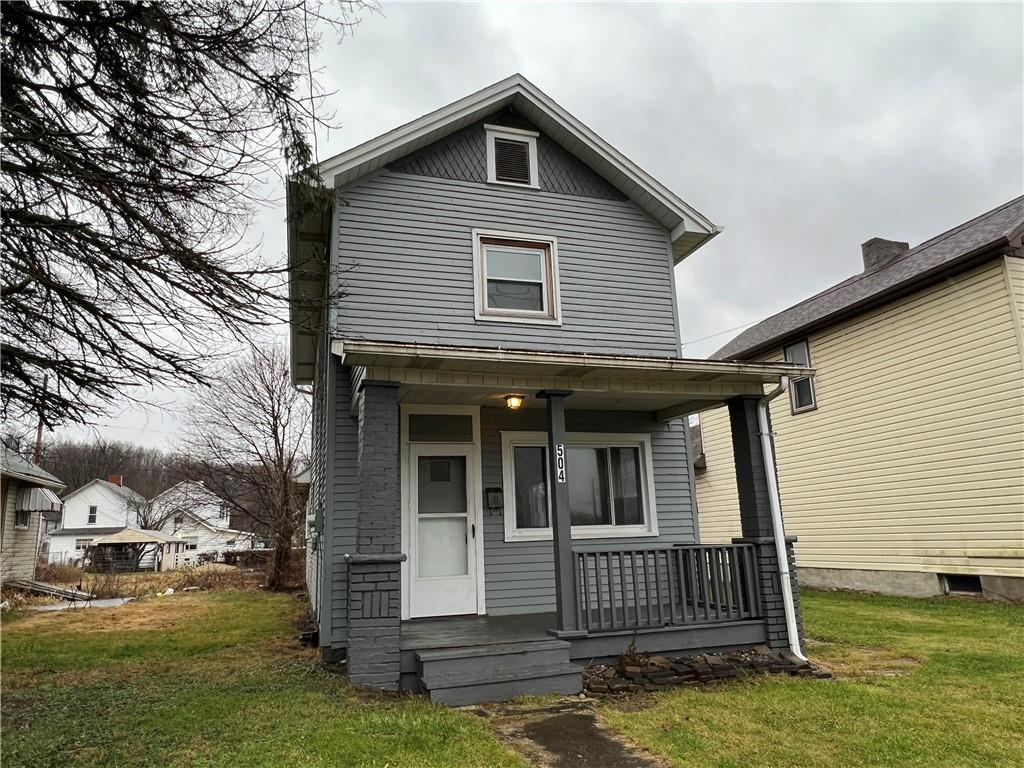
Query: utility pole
(37, 455)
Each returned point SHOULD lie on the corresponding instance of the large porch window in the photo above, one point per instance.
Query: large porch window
(610, 482)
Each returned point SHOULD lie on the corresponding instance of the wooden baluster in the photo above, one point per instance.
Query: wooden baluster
(716, 580)
(669, 558)
(726, 556)
(657, 587)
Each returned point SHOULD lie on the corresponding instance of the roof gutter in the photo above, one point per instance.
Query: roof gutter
(778, 529)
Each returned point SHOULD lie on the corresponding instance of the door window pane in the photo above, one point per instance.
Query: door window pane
(442, 485)
(442, 547)
(626, 493)
(531, 491)
(502, 294)
(587, 469)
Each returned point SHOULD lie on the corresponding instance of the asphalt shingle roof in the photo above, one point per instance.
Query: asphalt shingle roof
(14, 463)
(990, 230)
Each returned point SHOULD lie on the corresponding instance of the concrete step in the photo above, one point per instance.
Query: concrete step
(475, 684)
(497, 657)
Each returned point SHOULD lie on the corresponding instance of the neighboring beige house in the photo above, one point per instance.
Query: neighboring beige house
(901, 464)
(26, 491)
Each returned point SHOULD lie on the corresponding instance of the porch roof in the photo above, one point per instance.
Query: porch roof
(667, 386)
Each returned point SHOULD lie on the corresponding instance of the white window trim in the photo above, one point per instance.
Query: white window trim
(510, 439)
(481, 312)
(513, 134)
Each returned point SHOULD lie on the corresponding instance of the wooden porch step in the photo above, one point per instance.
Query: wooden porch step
(497, 656)
(499, 671)
(474, 687)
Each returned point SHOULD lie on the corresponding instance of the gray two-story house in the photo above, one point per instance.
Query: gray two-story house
(501, 486)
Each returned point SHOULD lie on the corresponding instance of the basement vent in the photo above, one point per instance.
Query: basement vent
(512, 161)
(962, 585)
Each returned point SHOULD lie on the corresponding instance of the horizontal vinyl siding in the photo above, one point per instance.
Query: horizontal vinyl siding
(18, 550)
(317, 481)
(520, 574)
(404, 250)
(343, 500)
(718, 511)
(914, 460)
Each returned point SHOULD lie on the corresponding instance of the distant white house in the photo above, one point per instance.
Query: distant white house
(193, 512)
(98, 508)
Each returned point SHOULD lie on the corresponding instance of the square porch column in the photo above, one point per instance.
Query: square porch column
(756, 519)
(566, 600)
(374, 570)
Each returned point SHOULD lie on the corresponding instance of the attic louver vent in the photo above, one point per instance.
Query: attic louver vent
(512, 161)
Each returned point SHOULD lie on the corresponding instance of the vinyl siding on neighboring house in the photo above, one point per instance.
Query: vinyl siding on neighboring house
(404, 249)
(912, 460)
(18, 557)
(519, 575)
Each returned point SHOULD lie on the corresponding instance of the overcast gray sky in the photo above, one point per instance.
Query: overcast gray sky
(803, 130)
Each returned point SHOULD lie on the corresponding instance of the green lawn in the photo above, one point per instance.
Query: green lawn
(211, 679)
(919, 683)
(216, 679)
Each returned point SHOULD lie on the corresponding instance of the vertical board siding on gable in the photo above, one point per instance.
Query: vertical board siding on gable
(405, 253)
(912, 461)
(344, 497)
(520, 574)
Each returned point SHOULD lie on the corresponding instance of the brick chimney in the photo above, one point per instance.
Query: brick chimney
(116, 479)
(879, 252)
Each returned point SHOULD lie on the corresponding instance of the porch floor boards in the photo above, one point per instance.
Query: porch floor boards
(464, 631)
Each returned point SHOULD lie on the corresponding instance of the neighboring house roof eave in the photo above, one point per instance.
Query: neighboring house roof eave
(207, 524)
(868, 290)
(17, 467)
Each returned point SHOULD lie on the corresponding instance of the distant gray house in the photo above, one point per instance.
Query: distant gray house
(501, 486)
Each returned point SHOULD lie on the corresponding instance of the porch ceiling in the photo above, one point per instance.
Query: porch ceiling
(669, 387)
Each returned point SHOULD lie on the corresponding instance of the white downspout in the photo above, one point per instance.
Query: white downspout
(778, 529)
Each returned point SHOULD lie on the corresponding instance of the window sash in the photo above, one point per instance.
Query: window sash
(639, 445)
(544, 281)
(22, 518)
(801, 391)
(92, 516)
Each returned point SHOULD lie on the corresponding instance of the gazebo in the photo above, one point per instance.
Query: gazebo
(126, 549)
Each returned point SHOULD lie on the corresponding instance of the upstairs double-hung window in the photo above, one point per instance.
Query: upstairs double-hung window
(516, 277)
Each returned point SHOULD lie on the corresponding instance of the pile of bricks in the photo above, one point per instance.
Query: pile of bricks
(640, 672)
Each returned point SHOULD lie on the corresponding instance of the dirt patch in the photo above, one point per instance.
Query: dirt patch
(564, 736)
(853, 661)
(156, 613)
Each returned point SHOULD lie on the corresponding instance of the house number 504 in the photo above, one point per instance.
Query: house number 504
(560, 463)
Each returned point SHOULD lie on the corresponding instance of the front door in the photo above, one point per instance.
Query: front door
(443, 531)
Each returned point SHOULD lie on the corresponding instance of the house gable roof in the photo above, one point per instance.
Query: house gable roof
(309, 225)
(689, 228)
(122, 491)
(929, 261)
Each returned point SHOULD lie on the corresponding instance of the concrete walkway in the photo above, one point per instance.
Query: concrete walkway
(568, 736)
(64, 605)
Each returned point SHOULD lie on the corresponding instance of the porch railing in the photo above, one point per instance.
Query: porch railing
(648, 587)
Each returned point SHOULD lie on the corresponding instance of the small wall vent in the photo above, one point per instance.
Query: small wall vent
(959, 584)
(512, 161)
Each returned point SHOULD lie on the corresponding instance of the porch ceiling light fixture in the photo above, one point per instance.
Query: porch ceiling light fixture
(515, 402)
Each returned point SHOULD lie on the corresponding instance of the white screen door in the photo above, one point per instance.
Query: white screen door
(442, 563)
